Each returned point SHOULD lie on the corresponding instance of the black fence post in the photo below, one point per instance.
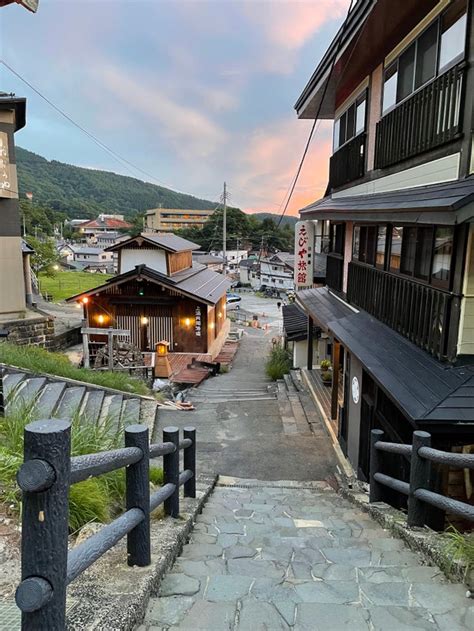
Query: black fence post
(171, 470)
(2, 396)
(376, 490)
(190, 461)
(420, 470)
(42, 593)
(138, 496)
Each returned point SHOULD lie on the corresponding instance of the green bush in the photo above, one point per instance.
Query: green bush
(40, 360)
(326, 376)
(325, 365)
(278, 363)
(96, 499)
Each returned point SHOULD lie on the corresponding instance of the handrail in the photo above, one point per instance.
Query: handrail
(45, 477)
(418, 489)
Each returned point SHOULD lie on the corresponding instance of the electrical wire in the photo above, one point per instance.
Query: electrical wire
(316, 118)
(91, 136)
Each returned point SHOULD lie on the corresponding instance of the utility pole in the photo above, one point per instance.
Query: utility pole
(224, 227)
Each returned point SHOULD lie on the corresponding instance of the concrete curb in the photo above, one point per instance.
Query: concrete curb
(110, 595)
(429, 543)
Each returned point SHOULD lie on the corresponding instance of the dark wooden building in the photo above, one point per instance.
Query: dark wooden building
(398, 215)
(160, 294)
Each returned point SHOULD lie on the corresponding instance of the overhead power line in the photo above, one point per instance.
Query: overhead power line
(89, 134)
(313, 126)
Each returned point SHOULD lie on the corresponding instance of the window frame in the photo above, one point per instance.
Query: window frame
(362, 96)
(438, 72)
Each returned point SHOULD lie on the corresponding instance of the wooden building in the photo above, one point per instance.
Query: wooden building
(160, 294)
(398, 216)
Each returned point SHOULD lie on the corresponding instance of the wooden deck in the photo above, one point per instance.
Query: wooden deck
(323, 394)
(227, 353)
(180, 373)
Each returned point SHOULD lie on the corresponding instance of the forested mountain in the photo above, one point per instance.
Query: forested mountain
(288, 220)
(80, 192)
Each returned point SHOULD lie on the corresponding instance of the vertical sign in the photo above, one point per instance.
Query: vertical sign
(5, 176)
(304, 254)
(197, 326)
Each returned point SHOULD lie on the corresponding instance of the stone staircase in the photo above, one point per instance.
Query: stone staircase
(46, 396)
(288, 555)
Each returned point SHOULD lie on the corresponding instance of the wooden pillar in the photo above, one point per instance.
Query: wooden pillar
(310, 343)
(336, 355)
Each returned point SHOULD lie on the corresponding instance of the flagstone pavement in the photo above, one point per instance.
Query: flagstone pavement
(296, 555)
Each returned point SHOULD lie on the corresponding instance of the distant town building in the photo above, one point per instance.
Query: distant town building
(277, 270)
(172, 219)
(233, 258)
(86, 258)
(103, 223)
(249, 271)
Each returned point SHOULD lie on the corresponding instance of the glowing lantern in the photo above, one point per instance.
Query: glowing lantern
(162, 366)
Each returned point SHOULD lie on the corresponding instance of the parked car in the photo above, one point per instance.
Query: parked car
(233, 298)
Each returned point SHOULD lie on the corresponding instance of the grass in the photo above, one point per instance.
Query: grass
(279, 362)
(93, 500)
(62, 285)
(39, 360)
(460, 547)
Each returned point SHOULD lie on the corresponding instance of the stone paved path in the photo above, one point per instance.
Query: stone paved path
(298, 556)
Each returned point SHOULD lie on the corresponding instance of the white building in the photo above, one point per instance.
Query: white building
(233, 257)
(277, 270)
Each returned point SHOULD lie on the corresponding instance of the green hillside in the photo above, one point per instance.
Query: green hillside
(288, 220)
(80, 192)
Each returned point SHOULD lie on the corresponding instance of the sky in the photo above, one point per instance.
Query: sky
(193, 92)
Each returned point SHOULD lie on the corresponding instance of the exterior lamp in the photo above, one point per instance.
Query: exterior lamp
(187, 322)
(212, 325)
(101, 319)
(162, 366)
(144, 320)
(85, 300)
(219, 315)
(55, 267)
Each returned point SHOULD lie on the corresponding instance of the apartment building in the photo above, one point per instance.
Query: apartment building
(172, 219)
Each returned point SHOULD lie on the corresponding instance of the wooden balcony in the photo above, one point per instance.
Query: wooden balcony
(348, 163)
(334, 271)
(415, 310)
(429, 118)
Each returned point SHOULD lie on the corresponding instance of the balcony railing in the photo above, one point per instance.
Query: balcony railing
(348, 163)
(334, 271)
(431, 117)
(417, 311)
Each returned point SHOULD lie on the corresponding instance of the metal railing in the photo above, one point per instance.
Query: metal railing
(414, 309)
(348, 163)
(418, 490)
(428, 119)
(45, 477)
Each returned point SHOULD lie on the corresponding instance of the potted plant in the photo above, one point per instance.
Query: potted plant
(325, 365)
(326, 377)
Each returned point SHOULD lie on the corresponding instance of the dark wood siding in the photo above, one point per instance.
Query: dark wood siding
(179, 261)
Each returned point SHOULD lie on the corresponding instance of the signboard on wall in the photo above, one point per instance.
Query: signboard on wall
(198, 323)
(304, 254)
(6, 185)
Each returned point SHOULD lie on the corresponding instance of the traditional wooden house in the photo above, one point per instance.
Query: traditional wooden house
(160, 293)
(398, 215)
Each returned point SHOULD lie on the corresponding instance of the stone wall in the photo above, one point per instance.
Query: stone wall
(32, 331)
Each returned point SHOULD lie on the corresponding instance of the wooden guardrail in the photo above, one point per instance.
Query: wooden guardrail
(47, 567)
(418, 489)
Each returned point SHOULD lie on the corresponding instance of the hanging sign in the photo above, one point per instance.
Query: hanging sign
(304, 253)
(197, 325)
(6, 186)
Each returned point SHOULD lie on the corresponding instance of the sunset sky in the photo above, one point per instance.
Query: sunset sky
(193, 92)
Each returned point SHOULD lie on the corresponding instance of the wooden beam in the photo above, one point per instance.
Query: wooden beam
(336, 357)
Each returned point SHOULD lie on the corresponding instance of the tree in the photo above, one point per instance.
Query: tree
(45, 255)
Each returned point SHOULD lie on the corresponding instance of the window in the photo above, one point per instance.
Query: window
(381, 242)
(337, 238)
(390, 87)
(351, 122)
(424, 246)
(427, 48)
(363, 244)
(438, 47)
(396, 248)
(407, 263)
(443, 250)
(453, 35)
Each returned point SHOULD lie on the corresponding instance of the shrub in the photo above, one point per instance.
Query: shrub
(325, 365)
(460, 547)
(279, 362)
